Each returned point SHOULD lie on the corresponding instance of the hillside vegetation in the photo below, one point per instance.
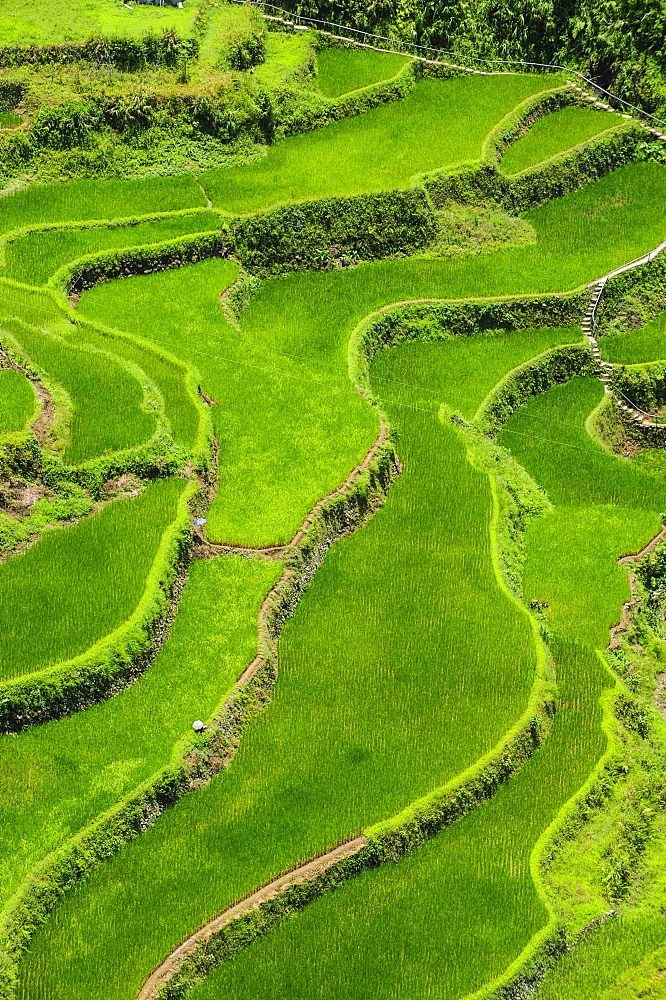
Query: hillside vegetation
(324, 536)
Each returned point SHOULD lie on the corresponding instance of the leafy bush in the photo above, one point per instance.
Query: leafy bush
(66, 126)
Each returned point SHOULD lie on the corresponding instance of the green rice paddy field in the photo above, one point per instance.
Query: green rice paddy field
(17, 400)
(407, 658)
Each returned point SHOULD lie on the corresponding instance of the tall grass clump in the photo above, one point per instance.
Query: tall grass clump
(78, 583)
(17, 400)
(556, 133)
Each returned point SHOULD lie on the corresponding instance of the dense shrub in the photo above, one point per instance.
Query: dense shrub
(66, 126)
(126, 54)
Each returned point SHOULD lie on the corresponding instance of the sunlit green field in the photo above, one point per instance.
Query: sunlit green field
(35, 257)
(97, 199)
(441, 123)
(432, 701)
(306, 430)
(556, 133)
(41, 22)
(342, 70)
(451, 916)
(81, 765)
(646, 344)
(106, 399)
(78, 583)
(17, 400)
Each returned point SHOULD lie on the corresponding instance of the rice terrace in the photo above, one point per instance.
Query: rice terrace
(332, 500)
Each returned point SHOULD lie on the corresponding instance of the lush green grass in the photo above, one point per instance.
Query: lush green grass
(77, 584)
(98, 199)
(35, 257)
(442, 122)
(29, 304)
(287, 435)
(17, 400)
(41, 22)
(636, 346)
(381, 697)
(591, 970)
(9, 120)
(106, 398)
(461, 370)
(168, 376)
(287, 56)
(554, 134)
(274, 468)
(580, 237)
(449, 917)
(453, 915)
(341, 70)
(556, 420)
(55, 778)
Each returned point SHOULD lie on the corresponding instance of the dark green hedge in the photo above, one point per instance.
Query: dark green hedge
(127, 54)
(19, 455)
(86, 272)
(334, 232)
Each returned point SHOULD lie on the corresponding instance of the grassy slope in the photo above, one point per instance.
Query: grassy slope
(286, 56)
(456, 912)
(285, 438)
(98, 199)
(593, 968)
(555, 134)
(35, 257)
(350, 758)
(17, 400)
(647, 344)
(78, 583)
(442, 122)
(42, 22)
(461, 370)
(79, 766)
(106, 398)
(341, 70)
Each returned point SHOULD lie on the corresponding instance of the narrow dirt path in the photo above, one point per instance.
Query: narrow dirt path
(277, 887)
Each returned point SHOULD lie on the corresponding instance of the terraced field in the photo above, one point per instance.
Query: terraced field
(362, 519)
